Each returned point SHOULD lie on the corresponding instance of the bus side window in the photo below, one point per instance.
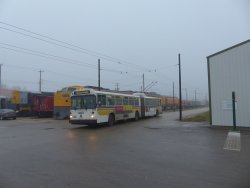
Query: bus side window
(125, 100)
(131, 101)
(136, 102)
(101, 99)
(104, 100)
(110, 101)
(118, 100)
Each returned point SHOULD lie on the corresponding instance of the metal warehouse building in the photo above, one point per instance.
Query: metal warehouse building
(228, 71)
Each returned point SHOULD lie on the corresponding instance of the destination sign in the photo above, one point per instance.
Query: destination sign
(82, 92)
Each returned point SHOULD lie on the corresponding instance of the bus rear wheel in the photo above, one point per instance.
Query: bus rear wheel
(111, 120)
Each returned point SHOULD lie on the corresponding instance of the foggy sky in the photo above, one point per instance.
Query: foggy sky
(145, 36)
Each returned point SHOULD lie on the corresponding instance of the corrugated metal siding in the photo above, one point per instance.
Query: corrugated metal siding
(230, 71)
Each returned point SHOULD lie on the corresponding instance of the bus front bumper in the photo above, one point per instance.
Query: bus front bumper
(86, 121)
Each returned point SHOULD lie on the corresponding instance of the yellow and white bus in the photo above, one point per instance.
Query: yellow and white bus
(93, 107)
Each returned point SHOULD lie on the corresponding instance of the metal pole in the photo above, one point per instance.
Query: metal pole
(143, 83)
(234, 111)
(99, 79)
(40, 81)
(117, 86)
(1, 75)
(173, 98)
(180, 99)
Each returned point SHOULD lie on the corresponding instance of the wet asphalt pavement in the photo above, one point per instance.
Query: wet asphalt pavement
(154, 152)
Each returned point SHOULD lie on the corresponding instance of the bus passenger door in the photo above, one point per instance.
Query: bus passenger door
(142, 107)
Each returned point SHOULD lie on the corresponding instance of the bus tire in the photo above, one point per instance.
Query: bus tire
(137, 117)
(111, 120)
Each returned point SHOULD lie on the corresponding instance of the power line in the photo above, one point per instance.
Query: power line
(36, 69)
(47, 41)
(11, 49)
(75, 48)
(69, 44)
(57, 58)
(48, 71)
(111, 70)
(72, 47)
(49, 55)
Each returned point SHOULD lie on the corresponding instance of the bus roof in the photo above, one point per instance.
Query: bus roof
(92, 91)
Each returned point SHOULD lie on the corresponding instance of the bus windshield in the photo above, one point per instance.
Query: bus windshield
(83, 102)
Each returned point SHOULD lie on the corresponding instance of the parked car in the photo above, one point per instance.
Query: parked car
(7, 114)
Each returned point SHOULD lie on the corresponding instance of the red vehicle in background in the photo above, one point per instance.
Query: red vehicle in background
(43, 105)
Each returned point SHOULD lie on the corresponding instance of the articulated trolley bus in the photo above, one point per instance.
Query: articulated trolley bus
(93, 107)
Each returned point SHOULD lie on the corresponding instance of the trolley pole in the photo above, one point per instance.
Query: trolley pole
(99, 75)
(180, 99)
(1, 75)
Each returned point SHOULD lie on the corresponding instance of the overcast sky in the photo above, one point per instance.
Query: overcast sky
(134, 36)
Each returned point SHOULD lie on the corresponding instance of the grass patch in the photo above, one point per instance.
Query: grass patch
(198, 118)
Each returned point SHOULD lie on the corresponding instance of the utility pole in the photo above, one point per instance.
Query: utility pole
(40, 81)
(173, 98)
(180, 100)
(143, 83)
(1, 75)
(117, 86)
(99, 79)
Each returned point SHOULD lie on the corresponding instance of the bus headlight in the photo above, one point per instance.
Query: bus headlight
(92, 116)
